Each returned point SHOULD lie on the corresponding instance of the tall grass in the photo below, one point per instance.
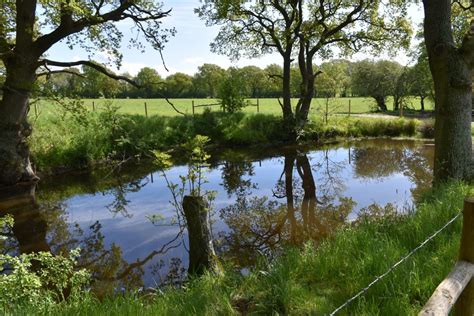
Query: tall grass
(75, 141)
(316, 279)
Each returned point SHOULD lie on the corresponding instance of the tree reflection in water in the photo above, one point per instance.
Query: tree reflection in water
(383, 158)
(263, 224)
(44, 227)
(309, 202)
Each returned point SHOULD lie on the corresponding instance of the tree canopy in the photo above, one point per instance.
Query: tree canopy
(29, 28)
(299, 30)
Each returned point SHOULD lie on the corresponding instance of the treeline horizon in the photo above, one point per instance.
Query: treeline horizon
(337, 78)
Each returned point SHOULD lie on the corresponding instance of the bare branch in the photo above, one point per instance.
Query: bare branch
(275, 76)
(65, 71)
(98, 67)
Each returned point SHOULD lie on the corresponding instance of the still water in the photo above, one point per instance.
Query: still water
(131, 237)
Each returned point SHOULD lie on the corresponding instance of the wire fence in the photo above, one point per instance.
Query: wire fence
(393, 267)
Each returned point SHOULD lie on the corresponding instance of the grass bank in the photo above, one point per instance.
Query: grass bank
(314, 279)
(82, 139)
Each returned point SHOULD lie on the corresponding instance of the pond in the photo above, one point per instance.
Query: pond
(130, 236)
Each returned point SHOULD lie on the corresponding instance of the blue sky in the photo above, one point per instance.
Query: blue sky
(189, 48)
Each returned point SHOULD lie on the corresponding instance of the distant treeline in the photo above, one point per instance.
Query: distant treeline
(377, 79)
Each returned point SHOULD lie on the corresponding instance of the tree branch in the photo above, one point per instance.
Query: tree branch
(99, 68)
(68, 26)
(103, 70)
(64, 71)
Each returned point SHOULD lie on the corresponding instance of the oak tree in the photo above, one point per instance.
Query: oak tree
(449, 39)
(299, 30)
(28, 30)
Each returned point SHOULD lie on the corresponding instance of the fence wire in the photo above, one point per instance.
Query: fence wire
(380, 277)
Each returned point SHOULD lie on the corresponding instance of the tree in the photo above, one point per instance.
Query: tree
(334, 79)
(231, 91)
(25, 39)
(149, 82)
(376, 79)
(451, 63)
(95, 84)
(299, 30)
(421, 82)
(64, 84)
(401, 90)
(179, 85)
(207, 79)
(274, 74)
(254, 81)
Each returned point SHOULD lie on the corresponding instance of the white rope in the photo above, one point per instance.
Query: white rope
(380, 277)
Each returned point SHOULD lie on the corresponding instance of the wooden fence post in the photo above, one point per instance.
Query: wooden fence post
(93, 106)
(146, 110)
(202, 256)
(349, 107)
(465, 303)
(193, 106)
(258, 105)
(327, 110)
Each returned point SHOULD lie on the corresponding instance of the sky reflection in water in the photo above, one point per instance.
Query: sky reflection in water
(256, 210)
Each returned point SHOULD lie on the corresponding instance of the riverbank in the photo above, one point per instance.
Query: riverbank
(314, 279)
(83, 140)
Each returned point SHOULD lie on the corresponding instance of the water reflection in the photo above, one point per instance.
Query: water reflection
(297, 214)
(44, 227)
(264, 201)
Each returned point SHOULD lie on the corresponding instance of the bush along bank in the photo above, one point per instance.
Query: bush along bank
(313, 279)
(79, 140)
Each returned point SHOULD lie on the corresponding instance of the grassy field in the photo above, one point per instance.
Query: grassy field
(266, 106)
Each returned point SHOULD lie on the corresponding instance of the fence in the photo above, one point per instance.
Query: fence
(457, 290)
(94, 108)
(194, 106)
(325, 109)
(393, 267)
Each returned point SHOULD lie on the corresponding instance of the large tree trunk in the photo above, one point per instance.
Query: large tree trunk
(452, 81)
(288, 117)
(15, 165)
(422, 103)
(396, 102)
(305, 62)
(381, 103)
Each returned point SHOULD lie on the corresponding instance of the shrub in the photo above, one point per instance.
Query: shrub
(426, 129)
(39, 279)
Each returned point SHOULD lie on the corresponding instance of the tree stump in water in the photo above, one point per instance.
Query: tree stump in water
(202, 256)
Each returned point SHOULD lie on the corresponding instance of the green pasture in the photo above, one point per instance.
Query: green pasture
(266, 106)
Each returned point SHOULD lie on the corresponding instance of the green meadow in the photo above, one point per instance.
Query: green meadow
(266, 106)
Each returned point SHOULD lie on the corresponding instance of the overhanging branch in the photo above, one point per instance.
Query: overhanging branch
(64, 71)
(47, 62)
(98, 67)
